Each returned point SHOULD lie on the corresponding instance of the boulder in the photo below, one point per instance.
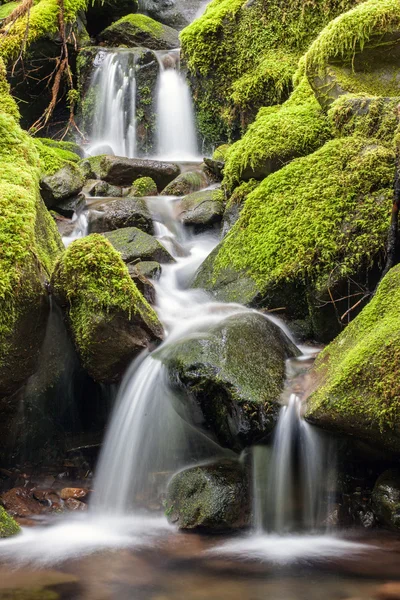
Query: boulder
(102, 189)
(212, 498)
(186, 183)
(231, 377)
(110, 321)
(386, 499)
(125, 171)
(144, 186)
(67, 208)
(134, 245)
(355, 379)
(8, 526)
(142, 31)
(63, 184)
(149, 268)
(235, 204)
(201, 210)
(144, 286)
(117, 214)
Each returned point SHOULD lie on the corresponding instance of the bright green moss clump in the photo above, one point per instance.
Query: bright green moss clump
(7, 9)
(319, 218)
(144, 186)
(279, 134)
(143, 23)
(242, 56)
(8, 526)
(359, 385)
(54, 159)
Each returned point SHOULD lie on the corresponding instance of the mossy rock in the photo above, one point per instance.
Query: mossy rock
(63, 184)
(201, 210)
(125, 171)
(134, 245)
(149, 268)
(8, 527)
(210, 498)
(63, 146)
(117, 214)
(110, 320)
(357, 53)
(235, 204)
(355, 377)
(144, 186)
(142, 31)
(386, 499)
(102, 13)
(311, 228)
(102, 189)
(231, 377)
(220, 153)
(186, 183)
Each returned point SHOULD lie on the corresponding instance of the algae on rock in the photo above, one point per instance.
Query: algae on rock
(8, 526)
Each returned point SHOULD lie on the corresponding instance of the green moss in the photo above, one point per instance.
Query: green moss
(242, 56)
(365, 117)
(7, 9)
(220, 152)
(143, 23)
(7, 102)
(8, 526)
(54, 159)
(358, 372)
(70, 147)
(319, 218)
(144, 186)
(279, 134)
(93, 278)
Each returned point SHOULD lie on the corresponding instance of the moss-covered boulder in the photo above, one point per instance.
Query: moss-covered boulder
(140, 30)
(231, 377)
(386, 499)
(110, 320)
(242, 56)
(357, 53)
(125, 171)
(149, 268)
(201, 210)
(102, 189)
(187, 183)
(71, 147)
(144, 186)
(308, 233)
(29, 246)
(235, 204)
(117, 214)
(8, 526)
(356, 383)
(210, 498)
(134, 244)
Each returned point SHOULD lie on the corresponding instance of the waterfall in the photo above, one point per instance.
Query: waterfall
(176, 129)
(114, 85)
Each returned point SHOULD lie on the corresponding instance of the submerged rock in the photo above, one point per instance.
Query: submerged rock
(110, 320)
(356, 379)
(187, 183)
(386, 499)
(213, 497)
(125, 171)
(231, 377)
(202, 210)
(118, 214)
(8, 526)
(134, 245)
(140, 30)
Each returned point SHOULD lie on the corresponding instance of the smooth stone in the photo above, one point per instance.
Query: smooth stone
(121, 213)
(136, 245)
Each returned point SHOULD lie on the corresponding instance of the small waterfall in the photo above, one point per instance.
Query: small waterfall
(176, 129)
(114, 82)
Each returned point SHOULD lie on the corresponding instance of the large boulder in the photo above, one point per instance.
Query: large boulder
(201, 210)
(134, 245)
(125, 171)
(299, 251)
(111, 322)
(117, 214)
(231, 377)
(212, 498)
(8, 526)
(142, 31)
(386, 499)
(187, 183)
(356, 379)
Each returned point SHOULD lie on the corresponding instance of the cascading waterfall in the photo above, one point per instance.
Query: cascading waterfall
(114, 81)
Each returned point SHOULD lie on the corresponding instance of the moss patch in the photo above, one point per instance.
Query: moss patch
(8, 526)
(54, 159)
(144, 186)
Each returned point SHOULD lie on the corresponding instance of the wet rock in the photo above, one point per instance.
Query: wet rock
(216, 167)
(386, 499)
(68, 208)
(81, 494)
(186, 183)
(102, 189)
(134, 244)
(144, 286)
(231, 377)
(19, 502)
(125, 171)
(142, 31)
(209, 498)
(144, 186)
(8, 526)
(64, 184)
(149, 268)
(202, 210)
(48, 498)
(75, 505)
(117, 214)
